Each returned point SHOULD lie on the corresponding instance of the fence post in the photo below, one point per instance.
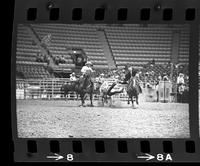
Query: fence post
(24, 90)
(52, 88)
(40, 94)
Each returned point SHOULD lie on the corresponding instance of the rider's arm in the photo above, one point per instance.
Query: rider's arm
(83, 69)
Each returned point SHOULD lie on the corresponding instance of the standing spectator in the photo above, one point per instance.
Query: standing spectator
(48, 60)
(180, 79)
(39, 57)
(101, 78)
(165, 78)
(57, 60)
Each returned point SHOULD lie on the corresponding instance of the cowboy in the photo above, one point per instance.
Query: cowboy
(132, 73)
(87, 71)
(107, 88)
(180, 79)
(101, 78)
(72, 77)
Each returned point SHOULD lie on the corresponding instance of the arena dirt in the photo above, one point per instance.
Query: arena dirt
(64, 119)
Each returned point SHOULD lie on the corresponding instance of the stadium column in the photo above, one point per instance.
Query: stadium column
(175, 46)
(193, 80)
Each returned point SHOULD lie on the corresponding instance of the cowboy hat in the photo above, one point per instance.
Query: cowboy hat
(88, 63)
(72, 74)
(101, 74)
(117, 77)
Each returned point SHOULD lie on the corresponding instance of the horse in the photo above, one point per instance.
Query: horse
(85, 86)
(133, 90)
(69, 87)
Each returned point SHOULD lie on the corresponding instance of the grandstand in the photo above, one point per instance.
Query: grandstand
(120, 44)
(32, 70)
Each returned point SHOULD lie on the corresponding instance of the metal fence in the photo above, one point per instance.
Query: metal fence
(51, 89)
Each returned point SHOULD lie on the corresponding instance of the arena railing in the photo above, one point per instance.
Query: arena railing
(50, 88)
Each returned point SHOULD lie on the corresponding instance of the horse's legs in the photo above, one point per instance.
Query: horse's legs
(65, 94)
(111, 102)
(137, 100)
(128, 101)
(102, 99)
(91, 100)
(82, 100)
(84, 97)
(132, 101)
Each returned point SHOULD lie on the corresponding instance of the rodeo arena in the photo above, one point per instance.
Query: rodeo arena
(102, 81)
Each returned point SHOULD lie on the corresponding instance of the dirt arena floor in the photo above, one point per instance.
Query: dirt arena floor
(64, 119)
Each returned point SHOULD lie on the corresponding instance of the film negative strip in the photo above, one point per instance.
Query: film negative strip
(109, 81)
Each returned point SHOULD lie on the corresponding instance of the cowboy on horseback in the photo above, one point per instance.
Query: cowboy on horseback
(130, 72)
(86, 85)
(87, 71)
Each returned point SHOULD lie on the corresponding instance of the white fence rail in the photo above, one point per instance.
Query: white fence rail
(50, 89)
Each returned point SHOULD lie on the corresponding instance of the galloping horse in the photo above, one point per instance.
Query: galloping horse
(132, 91)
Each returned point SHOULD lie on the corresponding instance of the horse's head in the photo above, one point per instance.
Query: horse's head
(132, 87)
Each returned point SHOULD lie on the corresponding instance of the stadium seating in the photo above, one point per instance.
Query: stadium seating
(136, 44)
(73, 36)
(32, 70)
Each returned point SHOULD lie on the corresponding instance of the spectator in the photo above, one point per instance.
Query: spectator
(101, 78)
(45, 57)
(165, 78)
(48, 60)
(39, 57)
(57, 60)
(62, 59)
(180, 79)
(72, 77)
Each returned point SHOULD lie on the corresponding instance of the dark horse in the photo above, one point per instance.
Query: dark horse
(69, 87)
(133, 90)
(82, 86)
(85, 86)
